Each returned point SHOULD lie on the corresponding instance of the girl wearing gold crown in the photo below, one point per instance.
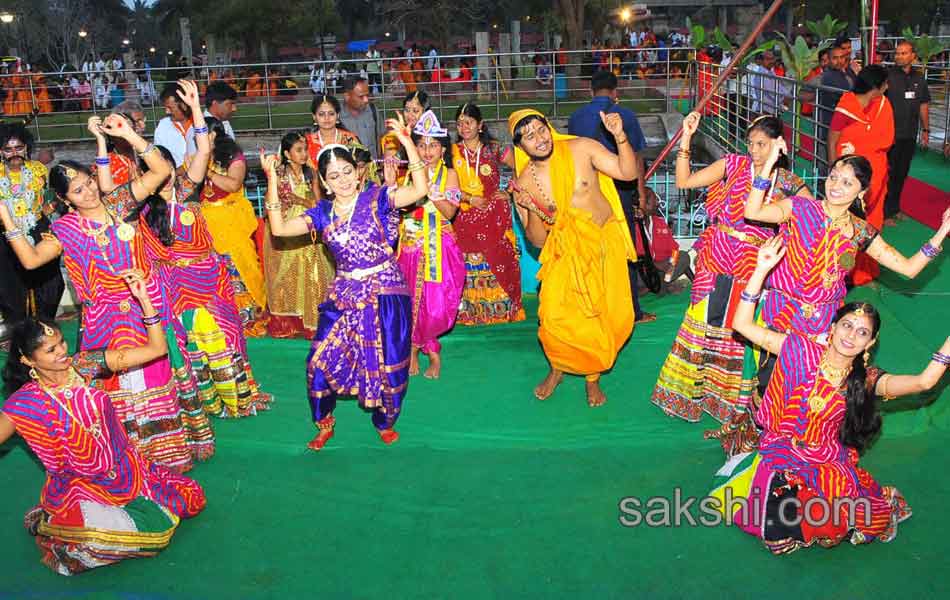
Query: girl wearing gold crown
(429, 255)
(818, 415)
(362, 343)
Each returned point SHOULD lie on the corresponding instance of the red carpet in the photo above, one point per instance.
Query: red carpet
(924, 202)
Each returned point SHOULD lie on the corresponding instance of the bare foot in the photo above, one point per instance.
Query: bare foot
(435, 366)
(595, 395)
(544, 389)
(414, 361)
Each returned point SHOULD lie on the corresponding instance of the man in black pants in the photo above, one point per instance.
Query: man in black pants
(586, 122)
(909, 97)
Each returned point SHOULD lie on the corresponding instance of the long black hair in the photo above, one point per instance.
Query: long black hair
(773, 128)
(28, 336)
(471, 110)
(324, 161)
(225, 148)
(862, 421)
(157, 216)
(862, 172)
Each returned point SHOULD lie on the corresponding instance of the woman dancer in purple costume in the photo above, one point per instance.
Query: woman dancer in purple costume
(363, 336)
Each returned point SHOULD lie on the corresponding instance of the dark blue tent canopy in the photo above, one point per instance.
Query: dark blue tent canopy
(360, 45)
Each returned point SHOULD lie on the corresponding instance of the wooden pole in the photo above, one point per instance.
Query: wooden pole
(727, 72)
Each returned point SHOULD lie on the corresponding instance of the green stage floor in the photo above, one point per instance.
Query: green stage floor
(492, 494)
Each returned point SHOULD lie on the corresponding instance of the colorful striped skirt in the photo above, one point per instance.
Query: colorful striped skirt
(226, 385)
(101, 534)
(774, 502)
(484, 300)
(704, 370)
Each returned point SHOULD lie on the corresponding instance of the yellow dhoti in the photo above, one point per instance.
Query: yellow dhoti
(586, 307)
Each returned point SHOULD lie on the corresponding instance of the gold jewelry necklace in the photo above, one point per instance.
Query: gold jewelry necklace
(349, 208)
(834, 375)
(95, 430)
(473, 182)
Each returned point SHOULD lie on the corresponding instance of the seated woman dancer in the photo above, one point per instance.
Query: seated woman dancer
(819, 414)
(103, 501)
(822, 239)
(363, 336)
(98, 239)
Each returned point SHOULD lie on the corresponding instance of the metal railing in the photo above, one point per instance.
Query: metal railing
(276, 96)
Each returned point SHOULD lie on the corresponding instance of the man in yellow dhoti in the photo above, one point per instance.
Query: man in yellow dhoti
(570, 209)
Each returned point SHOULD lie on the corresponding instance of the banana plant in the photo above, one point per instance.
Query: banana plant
(827, 28)
(723, 42)
(800, 60)
(697, 34)
(925, 47)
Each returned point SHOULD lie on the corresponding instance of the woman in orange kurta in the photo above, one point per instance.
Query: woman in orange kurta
(254, 86)
(863, 124)
(19, 101)
(41, 93)
(407, 76)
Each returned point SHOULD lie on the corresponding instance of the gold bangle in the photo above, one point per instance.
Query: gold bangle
(272, 206)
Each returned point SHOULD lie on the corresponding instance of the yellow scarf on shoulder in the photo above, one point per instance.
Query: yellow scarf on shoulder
(561, 171)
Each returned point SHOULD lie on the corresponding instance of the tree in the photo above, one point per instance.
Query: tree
(438, 18)
(572, 14)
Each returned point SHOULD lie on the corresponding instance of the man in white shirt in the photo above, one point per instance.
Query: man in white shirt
(221, 103)
(175, 132)
(765, 89)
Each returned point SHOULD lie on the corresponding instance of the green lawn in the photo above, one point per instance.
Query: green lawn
(280, 114)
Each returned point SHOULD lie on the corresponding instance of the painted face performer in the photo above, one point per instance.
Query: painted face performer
(98, 240)
(819, 413)
(363, 336)
(483, 226)
(103, 501)
(22, 186)
(429, 256)
(571, 210)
